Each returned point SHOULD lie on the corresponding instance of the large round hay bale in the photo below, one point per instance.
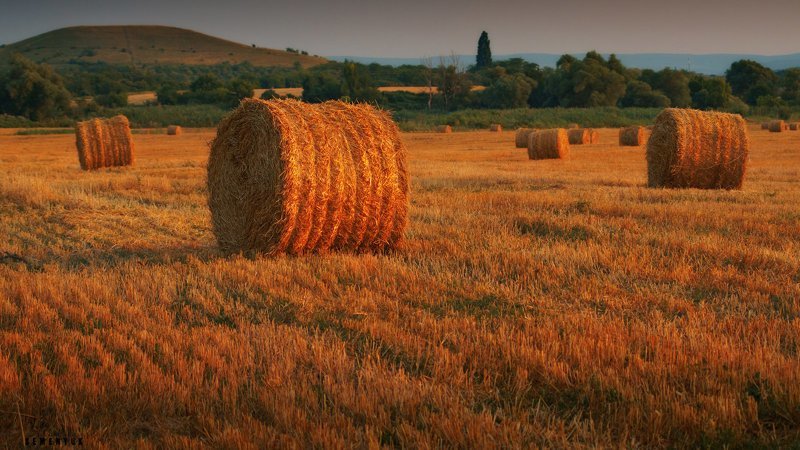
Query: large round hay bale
(548, 144)
(444, 129)
(521, 137)
(291, 177)
(495, 127)
(104, 143)
(777, 126)
(579, 136)
(174, 130)
(631, 136)
(794, 126)
(690, 148)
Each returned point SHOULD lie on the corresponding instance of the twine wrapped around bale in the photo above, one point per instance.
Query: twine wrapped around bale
(548, 144)
(690, 148)
(444, 129)
(631, 136)
(521, 137)
(794, 126)
(174, 130)
(104, 143)
(579, 136)
(291, 177)
(777, 126)
(496, 127)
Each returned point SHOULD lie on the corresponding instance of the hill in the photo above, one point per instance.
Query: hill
(147, 44)
(710, 64)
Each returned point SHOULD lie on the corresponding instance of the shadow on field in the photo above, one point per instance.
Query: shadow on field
(110, 258)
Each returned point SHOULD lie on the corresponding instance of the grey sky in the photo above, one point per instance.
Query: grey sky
(416, 28)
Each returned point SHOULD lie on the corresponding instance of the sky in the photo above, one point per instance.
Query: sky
(416, 28)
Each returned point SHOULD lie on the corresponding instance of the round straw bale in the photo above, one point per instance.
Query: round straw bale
(104, 143)
(794, 126)
(521, 137)
(579, 136)
(548, 144)
(777, 126)
(690, 148)
(174, 130)
(594, 136)
(496, 127)
(444, 129)
(291, 177)
(631, 136)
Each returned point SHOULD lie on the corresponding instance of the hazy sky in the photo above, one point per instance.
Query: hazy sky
(417, 27)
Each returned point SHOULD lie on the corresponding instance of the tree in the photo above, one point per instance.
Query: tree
(453, 83)
(710, 92)
(790, 83)
(357, 84)
(508, 91)
(672, 83)
(640, 94)
(427, 63)
(321, 87)
(32, 90)
(750, 80)
(484, 57)
(238, 89)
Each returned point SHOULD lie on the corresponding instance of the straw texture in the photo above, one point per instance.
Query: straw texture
(777, 126)
(631, 136)
(521, 137)
(291, 177)
(104, 143)
(690, 148)
(548, 144)
(579, 136)
(174, 130)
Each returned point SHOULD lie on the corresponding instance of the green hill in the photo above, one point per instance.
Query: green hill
(146, 45)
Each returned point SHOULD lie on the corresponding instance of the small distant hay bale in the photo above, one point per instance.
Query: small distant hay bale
(572, 126)
(548, 144)
(777, 126)
(291, 177)
(697, 149)
(631, 136)
(174, 130)
(765, 125)
(104, 143)
(444, 129)
(496, 127)
(579, 136)
(594, 136)
(521, 137)
(794, 126)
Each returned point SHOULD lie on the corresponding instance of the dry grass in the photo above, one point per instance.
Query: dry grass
(554, 303)
(270, 193)
(690, 148)
(548, 144)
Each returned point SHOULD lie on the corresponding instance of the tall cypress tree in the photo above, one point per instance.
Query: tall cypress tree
(484, 58)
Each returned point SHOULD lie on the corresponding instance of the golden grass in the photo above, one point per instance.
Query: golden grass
(293, 177)
(560, 304)
(548, 144)
(690, 148)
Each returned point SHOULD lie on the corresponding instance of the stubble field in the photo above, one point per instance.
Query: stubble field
(534, 303)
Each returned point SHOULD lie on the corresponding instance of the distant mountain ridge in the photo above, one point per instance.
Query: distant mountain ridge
(711, 64)
(147, 44)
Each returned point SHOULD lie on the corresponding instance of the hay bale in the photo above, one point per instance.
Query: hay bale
(104, 143)
(174, 130)
(444, 129)
(765, 125)
(291, 177)
(579, 136)
(548, 144)
(496, 127)
(794, 126)
(594, 136)
(777, 126)
(631, 136)
(521, 137)
(690, 148)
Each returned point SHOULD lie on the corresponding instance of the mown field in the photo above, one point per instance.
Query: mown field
(547, 303)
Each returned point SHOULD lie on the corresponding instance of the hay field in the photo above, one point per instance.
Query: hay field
(553, 303)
